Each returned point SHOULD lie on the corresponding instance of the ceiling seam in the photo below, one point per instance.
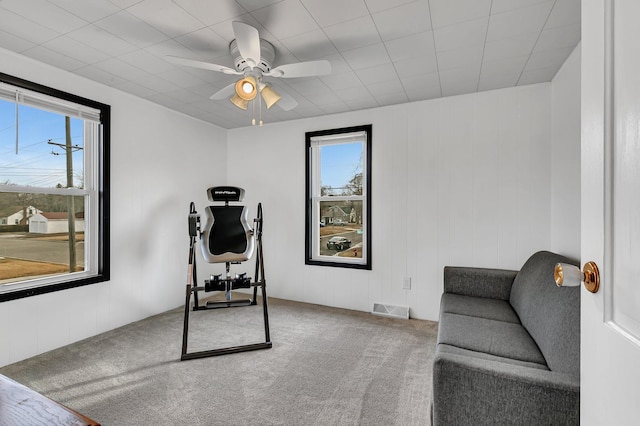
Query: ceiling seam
(484, 46)
(536, 43)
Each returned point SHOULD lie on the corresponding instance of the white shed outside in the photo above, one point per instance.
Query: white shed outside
(54, 223)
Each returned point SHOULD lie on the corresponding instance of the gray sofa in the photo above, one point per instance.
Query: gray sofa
(508, 348)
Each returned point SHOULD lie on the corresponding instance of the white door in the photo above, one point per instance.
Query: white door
(610, 227)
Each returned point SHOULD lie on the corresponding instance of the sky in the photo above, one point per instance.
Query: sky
(37, 163)
(339, 163)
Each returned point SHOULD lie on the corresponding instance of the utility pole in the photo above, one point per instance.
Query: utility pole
(71, 214)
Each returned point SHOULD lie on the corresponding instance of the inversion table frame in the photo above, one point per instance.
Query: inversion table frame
(226, 284)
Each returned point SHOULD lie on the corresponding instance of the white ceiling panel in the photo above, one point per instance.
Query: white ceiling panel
(419, 87)
(365, 57)
(131, 29)
(567, 36)
(76, 50)
(537, 75)
(122, 69)
(166, 17)
(89, 10)
(564, 12)
(286, 19)
(378, 73)
(468, 56)
(382, 52)
(110, 44)
(56, 59)
(419, 65)
(337, 82)
(548, 58)
(311, 45)
(459, 81)
(329, 12)
(350, 35)
(94, 72)
(419, 44)
(510, 47)
(380, 5)
(384, 88)
(414, 18)
(499, 6)
(22, 27)
(447, 12)
(14, 42)
(530, 19)
(461, 35)
(211, 12)
(46, 14)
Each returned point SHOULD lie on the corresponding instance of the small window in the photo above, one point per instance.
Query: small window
(338, 208)
(54, 188)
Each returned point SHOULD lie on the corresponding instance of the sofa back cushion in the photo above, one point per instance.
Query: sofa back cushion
(551, 314)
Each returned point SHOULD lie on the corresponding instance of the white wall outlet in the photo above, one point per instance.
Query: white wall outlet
(406, 283)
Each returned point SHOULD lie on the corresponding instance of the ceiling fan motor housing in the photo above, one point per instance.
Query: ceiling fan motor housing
(267, 54)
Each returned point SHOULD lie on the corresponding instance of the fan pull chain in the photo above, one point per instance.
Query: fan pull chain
(253, 112)
(260, 106)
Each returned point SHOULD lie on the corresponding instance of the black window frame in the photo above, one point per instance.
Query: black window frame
(309, 223)
(104, 164)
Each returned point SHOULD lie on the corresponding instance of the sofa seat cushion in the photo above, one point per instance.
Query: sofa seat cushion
(448, 349)
(494, 309)
(499, 338)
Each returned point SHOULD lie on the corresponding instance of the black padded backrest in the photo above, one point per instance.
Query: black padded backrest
(551, 314)
(227, 233)
(227, 236)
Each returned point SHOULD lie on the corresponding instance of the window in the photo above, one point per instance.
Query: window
(338, 197)
(54, 189)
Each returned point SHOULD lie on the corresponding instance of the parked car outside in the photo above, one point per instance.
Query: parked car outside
(339, 222)
(338, 243)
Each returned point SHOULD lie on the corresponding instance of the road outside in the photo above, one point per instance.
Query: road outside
(39, 249)
(351, 232)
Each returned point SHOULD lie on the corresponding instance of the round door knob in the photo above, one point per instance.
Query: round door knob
(567, 275)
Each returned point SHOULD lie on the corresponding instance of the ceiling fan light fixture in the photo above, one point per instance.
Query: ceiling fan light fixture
(269, 95)
(239, 102)
(246, 88)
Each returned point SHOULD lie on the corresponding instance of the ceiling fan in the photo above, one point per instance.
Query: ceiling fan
(252, 58)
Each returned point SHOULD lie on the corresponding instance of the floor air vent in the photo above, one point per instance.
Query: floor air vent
(393, 311)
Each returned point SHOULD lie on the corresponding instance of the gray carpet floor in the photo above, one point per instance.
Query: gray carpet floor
(327, 366)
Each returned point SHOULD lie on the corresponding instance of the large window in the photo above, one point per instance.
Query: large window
(54, 189)
(339, 197)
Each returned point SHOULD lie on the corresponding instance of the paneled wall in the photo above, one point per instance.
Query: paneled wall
(462, 180)
(565, 158)
(160, 161)
(456, 181)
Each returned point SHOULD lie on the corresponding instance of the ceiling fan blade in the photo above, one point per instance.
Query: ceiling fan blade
(286, 101)
(200, 64)
(248, 41)
(224, 93)
(301, 69)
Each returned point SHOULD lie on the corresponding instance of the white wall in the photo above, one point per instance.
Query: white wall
(456, 181)
(160, 161)
(565, 158)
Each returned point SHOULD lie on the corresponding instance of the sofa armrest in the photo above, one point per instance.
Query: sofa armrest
(479, 282)
(473, 391)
